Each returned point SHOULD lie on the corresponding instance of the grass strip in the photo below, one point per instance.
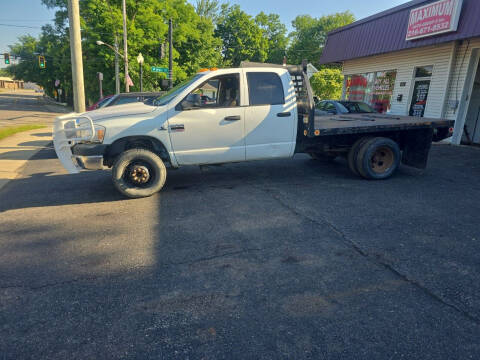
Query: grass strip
(10, 130)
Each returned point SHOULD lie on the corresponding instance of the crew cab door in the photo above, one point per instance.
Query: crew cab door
(208, 125)
(271, 116)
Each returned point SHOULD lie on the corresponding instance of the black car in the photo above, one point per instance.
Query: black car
(333, 107)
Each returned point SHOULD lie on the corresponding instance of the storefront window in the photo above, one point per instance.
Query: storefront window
(375, 89)
(423, 71)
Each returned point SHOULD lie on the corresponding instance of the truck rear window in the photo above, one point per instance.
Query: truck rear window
(265, 88)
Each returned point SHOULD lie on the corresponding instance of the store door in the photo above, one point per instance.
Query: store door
(472, 122)
(419, 98)
(420, 90)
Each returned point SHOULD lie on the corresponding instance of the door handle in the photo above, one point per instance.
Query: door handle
(179, 127)
(284, 114)
(232, 118)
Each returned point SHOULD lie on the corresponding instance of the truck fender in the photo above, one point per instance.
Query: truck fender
(136, 142)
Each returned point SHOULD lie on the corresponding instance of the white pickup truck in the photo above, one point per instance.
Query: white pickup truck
(255, 112)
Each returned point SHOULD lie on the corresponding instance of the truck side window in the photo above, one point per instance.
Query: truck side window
(218, 92)
(265, 88)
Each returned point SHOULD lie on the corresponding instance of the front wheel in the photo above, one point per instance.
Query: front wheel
(139, 173)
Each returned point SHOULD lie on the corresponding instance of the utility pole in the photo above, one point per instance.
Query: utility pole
(76, 56)
(100, 87)
(117, 70)
(125, 47)
(140, 60)
(170, 53)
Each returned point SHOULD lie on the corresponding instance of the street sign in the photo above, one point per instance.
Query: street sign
(159, 69)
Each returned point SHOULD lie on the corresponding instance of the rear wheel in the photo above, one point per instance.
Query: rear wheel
(138, 173)
(353, 153)
(378, 158)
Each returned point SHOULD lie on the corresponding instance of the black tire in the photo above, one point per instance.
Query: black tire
(378, 158)
(138, 173)
(353, 153)
(323, 156)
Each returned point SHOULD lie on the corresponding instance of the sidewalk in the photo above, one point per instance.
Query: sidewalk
(15, 151)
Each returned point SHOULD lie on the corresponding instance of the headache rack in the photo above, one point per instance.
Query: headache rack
(303, 90)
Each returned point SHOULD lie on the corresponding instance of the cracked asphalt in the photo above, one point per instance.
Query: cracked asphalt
(282, 259)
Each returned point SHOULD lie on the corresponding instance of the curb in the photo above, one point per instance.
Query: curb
(53, 101)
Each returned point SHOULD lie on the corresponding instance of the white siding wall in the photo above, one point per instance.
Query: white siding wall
(462, 60)
(404, 62)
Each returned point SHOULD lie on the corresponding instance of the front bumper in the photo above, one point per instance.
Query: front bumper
(65, 130)
(89, 162)
(89, 156)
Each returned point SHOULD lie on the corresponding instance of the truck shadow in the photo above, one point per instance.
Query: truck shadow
(47, 189)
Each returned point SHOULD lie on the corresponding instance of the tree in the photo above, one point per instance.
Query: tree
(242, 38)
(327, 84)
(275, 31)
(208, 9)
(195, 45)
(310, 35)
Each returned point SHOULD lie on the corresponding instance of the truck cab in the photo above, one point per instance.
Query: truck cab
(217, 116)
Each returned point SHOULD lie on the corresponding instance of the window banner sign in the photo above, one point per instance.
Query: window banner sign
(436, 18)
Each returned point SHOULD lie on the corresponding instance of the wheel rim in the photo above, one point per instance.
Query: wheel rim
(382, 160)
(139, 174)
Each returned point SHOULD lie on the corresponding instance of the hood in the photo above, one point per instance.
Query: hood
(137, 108)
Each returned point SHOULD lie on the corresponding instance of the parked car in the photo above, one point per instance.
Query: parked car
(100, 103)
(128, 98)
(333, 107)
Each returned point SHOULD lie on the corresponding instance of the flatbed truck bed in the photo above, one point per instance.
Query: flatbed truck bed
(360, 123)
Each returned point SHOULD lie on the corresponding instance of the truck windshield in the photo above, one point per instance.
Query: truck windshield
(172, 93)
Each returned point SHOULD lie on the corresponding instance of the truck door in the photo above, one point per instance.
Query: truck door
(271, 117)
(207, 126)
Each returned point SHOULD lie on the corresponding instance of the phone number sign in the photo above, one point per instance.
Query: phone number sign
(433, 19)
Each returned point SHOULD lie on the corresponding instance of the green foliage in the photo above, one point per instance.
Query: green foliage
(310, 35)
(195, 45)
(209, 9)
(327, 84)
(242, 38)
(205, 35)
(276, 33)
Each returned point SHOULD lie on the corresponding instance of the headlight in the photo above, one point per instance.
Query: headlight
(99, 134)
(81, 130)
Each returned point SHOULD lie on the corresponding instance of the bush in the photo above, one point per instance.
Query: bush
(327, 84)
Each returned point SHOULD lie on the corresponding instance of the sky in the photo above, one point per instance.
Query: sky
(31, 14)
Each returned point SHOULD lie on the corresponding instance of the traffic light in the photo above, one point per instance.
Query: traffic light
(41, 62)
(6, 56)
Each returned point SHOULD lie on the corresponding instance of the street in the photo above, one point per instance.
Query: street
(23, 107)
(280, 259)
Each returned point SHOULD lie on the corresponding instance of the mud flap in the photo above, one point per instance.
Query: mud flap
(417, 147)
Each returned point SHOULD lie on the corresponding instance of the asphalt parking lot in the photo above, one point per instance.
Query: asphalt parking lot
(282, 259)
